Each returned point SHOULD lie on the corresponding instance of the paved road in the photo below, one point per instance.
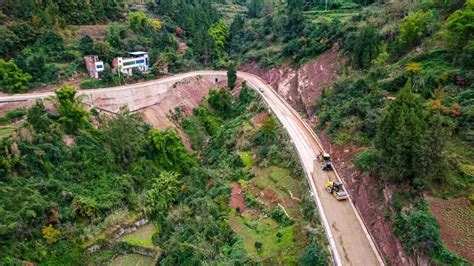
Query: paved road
(349, 240)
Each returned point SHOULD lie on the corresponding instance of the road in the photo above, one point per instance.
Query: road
(349, 240)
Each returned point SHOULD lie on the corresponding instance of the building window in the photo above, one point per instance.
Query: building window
(141, 61)
(99, 66)
(129, 63)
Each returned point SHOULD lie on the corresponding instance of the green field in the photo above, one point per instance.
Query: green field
(132, 260)
(260, 229)
(142, 237)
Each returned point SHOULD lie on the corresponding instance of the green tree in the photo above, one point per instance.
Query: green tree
(295, 19)
(221, 101)
(124, 137)
(12, 79)
(139, 22)
(460, 26)
(400, 136)
(8, 42)
(37, 117)
(51, 43)
(104, 50)
(86, 45)
(71, 114)
(231, 75)
(412, 29)
(114, 37)
(255, 8)
(363, 47)
(170, 152)
(220, 34)
(269, 128)
(162, 194)
(312, 256)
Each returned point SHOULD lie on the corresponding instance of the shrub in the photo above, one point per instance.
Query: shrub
(51, 234)
(91, 84)
(419, 232)
(412, 29)
(279, 215)
(367, 161)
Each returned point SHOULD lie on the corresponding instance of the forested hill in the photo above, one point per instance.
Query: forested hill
(403, 98)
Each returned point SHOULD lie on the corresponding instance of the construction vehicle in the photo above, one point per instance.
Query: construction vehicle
(325, 161)
(335, 188)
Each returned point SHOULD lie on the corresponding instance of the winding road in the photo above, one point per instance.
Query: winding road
(349, 241)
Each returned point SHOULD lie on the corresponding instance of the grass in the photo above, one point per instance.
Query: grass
(142, 237)
(6, 131)
(246, 158)
(260, 229)
(279, 179)
(132, 260)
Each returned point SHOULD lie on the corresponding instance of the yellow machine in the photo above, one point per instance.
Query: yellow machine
(325, 161)
(335, 188)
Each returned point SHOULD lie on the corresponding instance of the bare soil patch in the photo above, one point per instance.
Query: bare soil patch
(257, 120)
(456, 218)
(237, 199)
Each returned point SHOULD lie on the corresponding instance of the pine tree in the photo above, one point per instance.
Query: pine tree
(400, 136)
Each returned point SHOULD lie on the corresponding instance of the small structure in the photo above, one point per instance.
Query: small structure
(137, 60)
(93, 65)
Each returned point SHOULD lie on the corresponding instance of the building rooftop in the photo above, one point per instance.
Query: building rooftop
(137, 53)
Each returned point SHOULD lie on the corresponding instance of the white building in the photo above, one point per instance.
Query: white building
(137, 60)
(94, 65)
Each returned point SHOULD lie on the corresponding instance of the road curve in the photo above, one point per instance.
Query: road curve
(349, 240)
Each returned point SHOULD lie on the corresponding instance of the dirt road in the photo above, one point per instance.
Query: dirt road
(349, 240)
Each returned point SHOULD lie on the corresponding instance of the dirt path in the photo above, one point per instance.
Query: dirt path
(348, 238)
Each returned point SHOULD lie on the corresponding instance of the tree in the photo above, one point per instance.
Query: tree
(312, 256)
(86, 45)
(269, 128)
(170, 152)
(8, 42)
(220, 34)
(255, 8)
(37, 117)
(363, 47)
(162, 194)
(71, 114)
(407, 138)
(113, 37)
(104, 50)
(139, 22)
(460, 26)
(12, 79)
(412, 29)
(295, 19)
(51, 42)
(124, 137)
(231, 75)
(221, 101)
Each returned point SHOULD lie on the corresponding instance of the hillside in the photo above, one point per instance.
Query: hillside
(387, 85)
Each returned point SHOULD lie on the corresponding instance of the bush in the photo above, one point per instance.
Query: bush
(419, 233)
(412, 29)
(279, 215)
(91, 84)
(367, 161)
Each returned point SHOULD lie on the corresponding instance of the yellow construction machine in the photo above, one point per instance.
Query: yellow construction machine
(335, 188)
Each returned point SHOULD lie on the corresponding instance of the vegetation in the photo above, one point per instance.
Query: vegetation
(406, 99)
